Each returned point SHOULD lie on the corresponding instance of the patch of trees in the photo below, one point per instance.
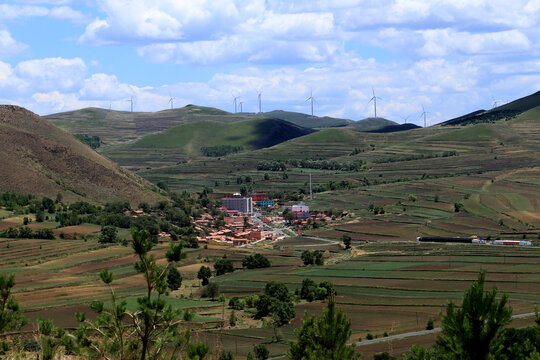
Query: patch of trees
(312, 258)
(27, 233)
(376, 209)
(223, 266)
(83, 208)
(311, 291)
(334, 185)
(12, 200)
(272, 166)
(285, 195)
(415, 157)
(256, 261)
(108, 235)
(211, 290)
(238, 303)
(277, 303)
(356, 151)
(220, 150)
(91, 140)
(355, 165)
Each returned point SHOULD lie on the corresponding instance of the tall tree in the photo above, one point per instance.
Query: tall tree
(154, 333)
(473, 331)
(204, 274)
(11, 317)
(324, 338)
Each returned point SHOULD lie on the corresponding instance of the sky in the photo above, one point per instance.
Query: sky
(449, 56)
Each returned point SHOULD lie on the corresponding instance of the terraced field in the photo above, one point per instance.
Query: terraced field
(397, 287)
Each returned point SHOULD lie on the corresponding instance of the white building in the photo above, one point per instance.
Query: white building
(300, 208)
(241, 204)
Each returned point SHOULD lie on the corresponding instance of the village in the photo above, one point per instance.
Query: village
(247, 220)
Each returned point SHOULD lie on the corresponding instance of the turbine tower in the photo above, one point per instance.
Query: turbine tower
(424, 112)
(171, 101)
(310, 188)
(241, 102)
(495, 102)
(310, 98)
(374, 99)
(259, 93)
(235, 98)
(131, 101)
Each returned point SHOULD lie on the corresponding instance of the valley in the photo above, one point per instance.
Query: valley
(382, 189)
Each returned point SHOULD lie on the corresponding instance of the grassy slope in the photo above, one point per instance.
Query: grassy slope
(117, 127)
(371, 124)
(306, 120)
(185, 141)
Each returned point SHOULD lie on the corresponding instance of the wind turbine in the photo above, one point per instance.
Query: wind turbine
(234, 101)
(405, 118)
(171, 100)
(374, 99)
(424, 112)
(259, 93)
(495, 102)
(241, 102)
(131, 101)
(312, 99)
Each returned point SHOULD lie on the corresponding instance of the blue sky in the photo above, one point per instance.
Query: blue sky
(450, 56)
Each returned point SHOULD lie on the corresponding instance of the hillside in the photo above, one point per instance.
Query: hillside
(117, 127)
(41, 159)
(185, 142)
(305, 120)
(371, 124)
(503, 112)
(395, 128)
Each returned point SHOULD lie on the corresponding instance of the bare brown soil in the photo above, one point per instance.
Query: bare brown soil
(40, 158)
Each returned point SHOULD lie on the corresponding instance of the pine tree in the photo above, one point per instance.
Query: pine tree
(473, 331)
(324, 338)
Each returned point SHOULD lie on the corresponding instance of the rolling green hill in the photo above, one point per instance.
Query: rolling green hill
(305, 120)
(188, 141)
(371, 124)
(117, 127)
(503, 112)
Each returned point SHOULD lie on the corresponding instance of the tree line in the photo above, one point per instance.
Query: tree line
(275, 165)
(220, 150)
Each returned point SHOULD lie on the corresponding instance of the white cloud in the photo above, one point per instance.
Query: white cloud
(222, 31)
(9, 83)
(103, 87)
(10, 11)
(442, 42)
(52, 73)
(167, 20)
(237, 49)
(8, 45)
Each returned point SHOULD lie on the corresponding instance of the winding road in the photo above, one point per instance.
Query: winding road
(422, 332)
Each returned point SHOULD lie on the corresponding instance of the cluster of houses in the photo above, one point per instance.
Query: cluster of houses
(239, 228)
